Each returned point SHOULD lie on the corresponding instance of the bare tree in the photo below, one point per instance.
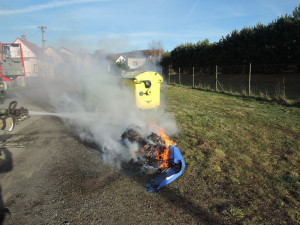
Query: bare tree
(156, 49)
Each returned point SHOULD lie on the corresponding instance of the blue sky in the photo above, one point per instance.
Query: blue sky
(118, 25)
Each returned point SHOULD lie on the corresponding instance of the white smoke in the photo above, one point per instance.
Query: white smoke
(102, 108)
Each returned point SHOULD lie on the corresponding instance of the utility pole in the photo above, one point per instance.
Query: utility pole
(43, 37)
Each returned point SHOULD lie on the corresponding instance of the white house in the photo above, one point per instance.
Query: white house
(35, 61)
(121, 59)
(134, 63)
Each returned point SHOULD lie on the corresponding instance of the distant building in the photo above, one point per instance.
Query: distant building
(55, 55)
(133, 60)
(65, 62)
(35, 61)
(71, 57)
(56, 59)
(86, 59)
(121, 59)
(134, 63)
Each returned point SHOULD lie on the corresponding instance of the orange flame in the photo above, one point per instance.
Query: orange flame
(163, 155)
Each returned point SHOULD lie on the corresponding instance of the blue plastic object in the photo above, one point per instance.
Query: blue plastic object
(170, 174)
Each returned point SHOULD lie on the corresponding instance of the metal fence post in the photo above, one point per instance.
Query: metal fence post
(169, 75)
(193, 76)
(250, 79)
(179, 77)
(216, 77)
(283, 83)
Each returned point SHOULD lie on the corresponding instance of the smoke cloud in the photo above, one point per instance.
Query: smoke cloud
(101, 108)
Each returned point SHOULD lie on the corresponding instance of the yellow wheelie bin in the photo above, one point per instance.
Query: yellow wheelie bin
(146, 86)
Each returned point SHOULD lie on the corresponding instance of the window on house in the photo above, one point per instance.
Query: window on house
(135, 63)
(36, 68)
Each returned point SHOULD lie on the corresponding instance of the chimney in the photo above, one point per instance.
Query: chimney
(23, 37)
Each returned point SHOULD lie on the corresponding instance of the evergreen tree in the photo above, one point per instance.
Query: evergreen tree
(276, 43)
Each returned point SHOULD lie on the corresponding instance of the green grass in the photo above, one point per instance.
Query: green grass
(242, 156)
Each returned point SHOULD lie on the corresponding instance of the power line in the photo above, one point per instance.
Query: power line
(33, 34)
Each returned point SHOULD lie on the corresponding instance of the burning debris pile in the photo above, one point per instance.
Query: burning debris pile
(156, 152)
(151, 148)
(102, 106)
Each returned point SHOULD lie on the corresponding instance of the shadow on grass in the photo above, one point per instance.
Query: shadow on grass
(201, 215)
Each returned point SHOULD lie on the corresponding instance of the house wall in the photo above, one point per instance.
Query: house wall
(27, 53)
(32, 66)
(31, 62)
(74, 59)
(134, 63)
(55, 61)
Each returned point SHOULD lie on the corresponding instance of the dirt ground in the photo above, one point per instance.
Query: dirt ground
(51, 177)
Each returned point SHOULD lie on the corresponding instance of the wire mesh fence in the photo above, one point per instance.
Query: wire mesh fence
(265, 81)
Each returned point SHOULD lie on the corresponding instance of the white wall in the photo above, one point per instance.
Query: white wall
(136, 62)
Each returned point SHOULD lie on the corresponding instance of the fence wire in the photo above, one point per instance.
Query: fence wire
(265, 81)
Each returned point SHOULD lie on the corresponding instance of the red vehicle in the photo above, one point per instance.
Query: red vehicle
(11, 63)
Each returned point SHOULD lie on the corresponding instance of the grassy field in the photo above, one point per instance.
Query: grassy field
(242, 156)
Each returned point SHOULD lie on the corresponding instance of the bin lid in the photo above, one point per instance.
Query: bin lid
(139, 76)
